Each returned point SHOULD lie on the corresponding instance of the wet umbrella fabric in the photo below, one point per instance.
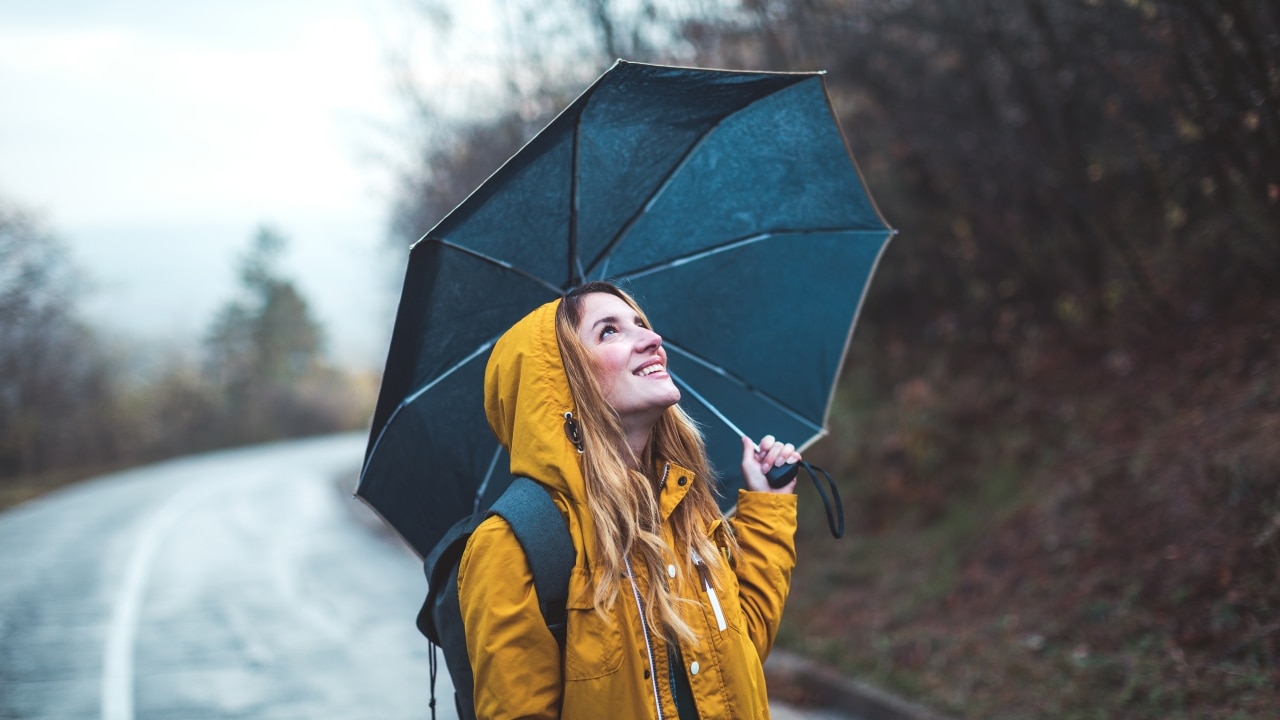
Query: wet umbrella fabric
(726, 202)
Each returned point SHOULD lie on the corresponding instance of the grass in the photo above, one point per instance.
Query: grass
(17, 490)
(1053, 542)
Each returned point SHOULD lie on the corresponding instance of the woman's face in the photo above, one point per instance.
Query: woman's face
(630, 362)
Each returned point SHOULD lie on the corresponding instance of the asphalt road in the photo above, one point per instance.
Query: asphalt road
(237, 584)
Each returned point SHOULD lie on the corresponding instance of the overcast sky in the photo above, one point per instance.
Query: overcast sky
(154, 137)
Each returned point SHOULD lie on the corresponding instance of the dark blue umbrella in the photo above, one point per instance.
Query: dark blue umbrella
(721, 200)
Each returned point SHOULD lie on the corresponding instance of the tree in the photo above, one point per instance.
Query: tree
(1050, 162)
(262, 346)
(56, 382)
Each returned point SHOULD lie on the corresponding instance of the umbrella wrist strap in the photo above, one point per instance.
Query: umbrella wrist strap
(835, 519)
(433, 664)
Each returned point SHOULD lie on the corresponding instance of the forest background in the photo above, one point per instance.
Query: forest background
(1059, 426)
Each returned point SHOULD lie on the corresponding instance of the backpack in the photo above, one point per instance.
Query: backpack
(543, 535)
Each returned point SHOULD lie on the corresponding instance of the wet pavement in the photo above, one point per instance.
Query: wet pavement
(233, 584)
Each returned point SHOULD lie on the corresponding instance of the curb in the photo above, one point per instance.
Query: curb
(806, 683)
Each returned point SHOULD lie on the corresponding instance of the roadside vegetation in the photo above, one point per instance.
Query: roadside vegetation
(1094, 534)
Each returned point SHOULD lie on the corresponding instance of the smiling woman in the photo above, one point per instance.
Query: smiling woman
(672, 608)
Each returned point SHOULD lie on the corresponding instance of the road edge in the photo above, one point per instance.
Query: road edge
(816, 685)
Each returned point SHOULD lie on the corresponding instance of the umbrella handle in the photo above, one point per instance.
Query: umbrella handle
(781, 476)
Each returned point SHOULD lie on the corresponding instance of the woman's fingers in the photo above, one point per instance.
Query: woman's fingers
(770, 452)
(775, 454)
(766, 446)
(757, 460)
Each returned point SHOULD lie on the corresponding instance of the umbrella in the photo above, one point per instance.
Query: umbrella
(719, 199)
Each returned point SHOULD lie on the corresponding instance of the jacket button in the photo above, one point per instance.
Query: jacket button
(682, 481)
(646, 673)
(671, 570)
(693, 668)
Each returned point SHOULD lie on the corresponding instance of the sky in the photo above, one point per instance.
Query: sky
(154, 138)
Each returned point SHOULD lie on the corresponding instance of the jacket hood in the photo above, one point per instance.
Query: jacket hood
(526, 396)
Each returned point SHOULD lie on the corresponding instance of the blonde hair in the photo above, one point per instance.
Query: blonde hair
(623, 490)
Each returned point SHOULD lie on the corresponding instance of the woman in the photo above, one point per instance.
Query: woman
(671, 609)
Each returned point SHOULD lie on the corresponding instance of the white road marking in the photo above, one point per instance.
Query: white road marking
(117, 658)
(292, 535)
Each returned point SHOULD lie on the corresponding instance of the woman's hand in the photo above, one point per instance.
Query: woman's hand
(756, 462)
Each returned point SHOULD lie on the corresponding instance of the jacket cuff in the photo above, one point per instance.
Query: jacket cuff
(753, 504)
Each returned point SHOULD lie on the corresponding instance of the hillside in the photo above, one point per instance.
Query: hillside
(1091, 529)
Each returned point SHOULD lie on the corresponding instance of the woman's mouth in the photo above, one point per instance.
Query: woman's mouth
(651, 368)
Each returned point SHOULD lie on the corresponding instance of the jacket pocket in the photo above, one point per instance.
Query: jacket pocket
(593, 645)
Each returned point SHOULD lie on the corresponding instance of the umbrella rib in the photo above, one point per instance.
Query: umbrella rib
(666, 181)
(707, 403)
(778, 404)
(575, 264)
(653, 197)
(484, 347)
(495, 261)
(736, 243)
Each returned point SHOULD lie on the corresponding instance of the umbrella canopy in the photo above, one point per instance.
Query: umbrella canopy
(721, 200)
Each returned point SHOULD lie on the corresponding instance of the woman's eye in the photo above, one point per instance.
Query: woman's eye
(607, 330)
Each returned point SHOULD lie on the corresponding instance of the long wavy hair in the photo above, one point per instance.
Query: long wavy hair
(623, 490)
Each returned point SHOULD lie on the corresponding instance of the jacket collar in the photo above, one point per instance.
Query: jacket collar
(675, 484)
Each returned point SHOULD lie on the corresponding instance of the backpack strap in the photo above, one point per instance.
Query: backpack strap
(441, 619)
(529, 509)
(543, 535)
(441, 567)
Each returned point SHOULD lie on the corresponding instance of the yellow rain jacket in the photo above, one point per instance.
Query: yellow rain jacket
(611, 667)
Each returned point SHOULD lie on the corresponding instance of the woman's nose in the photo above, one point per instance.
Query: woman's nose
(648, 340)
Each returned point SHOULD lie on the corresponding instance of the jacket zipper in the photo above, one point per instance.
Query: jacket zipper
(644, 627)
(673, 657)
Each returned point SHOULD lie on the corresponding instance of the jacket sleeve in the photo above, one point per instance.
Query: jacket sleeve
(765, 526)
(514, 657)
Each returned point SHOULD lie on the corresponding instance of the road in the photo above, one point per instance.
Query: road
(237, 584)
